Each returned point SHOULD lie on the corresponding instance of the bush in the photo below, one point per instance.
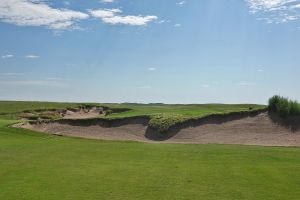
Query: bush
(294, 108)
(273, 102)
(283, 106)
(163, 122)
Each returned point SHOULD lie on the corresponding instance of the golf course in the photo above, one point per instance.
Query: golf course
(149, 100)
(37, 165)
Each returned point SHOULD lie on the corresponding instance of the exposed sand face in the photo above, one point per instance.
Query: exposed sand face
(133, 132)
(257, 130)
(82, 114)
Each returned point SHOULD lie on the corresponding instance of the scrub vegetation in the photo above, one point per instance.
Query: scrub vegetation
(284, 106)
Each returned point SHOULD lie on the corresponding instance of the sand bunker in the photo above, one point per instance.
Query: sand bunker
(83, 113)
(260, 129)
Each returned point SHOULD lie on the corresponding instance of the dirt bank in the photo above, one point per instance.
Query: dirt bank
(255, 129)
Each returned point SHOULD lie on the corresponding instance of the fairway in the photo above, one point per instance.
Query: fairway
(41, 166)
(37, 166)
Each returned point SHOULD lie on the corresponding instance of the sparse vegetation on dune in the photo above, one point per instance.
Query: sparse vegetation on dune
(284, 106)
(162, 116)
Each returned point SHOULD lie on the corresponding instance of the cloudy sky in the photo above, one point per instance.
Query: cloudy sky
(190, 51)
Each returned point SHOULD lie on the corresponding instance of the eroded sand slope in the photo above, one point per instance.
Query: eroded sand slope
(256, 130)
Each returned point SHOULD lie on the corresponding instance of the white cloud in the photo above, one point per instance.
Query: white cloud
(107, 1)
(11, 74)
(152, 69)
(205, 85)
(38, 13)
(66, 3)
(7, 56)
(246, 83)
(34, 83)
(145, 87)
(177, 25)
(181, 3)
(275, 11)
(31, 56)
(112, 16)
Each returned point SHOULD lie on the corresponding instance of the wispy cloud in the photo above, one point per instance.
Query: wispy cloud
(151, 69)
(31, 56)
(205, 85)
(145, 87)
(275, 11)
(181, 3)
(7, 56)
(177, 25)
(11, 74)
(113, 16)
(38, 13)
(48, 83)
(246, 83)
(107, 1)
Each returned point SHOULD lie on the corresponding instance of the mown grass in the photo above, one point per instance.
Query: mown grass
(36, 166)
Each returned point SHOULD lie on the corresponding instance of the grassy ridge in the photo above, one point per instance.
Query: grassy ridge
(185, 110)
(162, 117)
(37, 166)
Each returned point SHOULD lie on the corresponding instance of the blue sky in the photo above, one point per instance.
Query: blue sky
(208, 51)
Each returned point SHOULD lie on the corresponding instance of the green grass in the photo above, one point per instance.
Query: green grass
(191, 110)
(163, 117)
(36, 166)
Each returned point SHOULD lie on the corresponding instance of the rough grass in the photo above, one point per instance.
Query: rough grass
(36, 166)
(284, 106)
(190, 110)
(163, 116)
(162, 122)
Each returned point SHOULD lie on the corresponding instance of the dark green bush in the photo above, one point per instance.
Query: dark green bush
(273, 102)
(283, 106)
(163, 122)
(294, 107)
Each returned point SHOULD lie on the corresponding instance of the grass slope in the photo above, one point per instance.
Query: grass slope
(37, 166)
(163, 116)
(196, 110)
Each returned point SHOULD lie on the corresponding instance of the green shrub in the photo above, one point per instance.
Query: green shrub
(273, 102)
(163, 122)
(294, 108)
(283, 106)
